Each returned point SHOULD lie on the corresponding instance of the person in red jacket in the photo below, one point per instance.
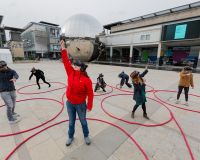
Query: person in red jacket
(79, 88)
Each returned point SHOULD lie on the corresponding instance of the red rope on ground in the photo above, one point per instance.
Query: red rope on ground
(92, 119)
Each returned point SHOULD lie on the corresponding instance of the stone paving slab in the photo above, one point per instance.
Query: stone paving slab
(108, 143)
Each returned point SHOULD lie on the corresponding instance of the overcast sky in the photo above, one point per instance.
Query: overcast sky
(18, 13)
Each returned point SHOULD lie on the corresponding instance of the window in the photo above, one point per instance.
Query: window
(148, 37)
(145, 37)
(142, 37)
(52, 32)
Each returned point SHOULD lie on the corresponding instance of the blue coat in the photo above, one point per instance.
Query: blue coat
(139, 91)
(5, 76)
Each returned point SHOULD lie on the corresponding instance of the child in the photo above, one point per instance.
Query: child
(139, 91)
(39, 75)
(100, 83)
(124, 79)
(186, 79)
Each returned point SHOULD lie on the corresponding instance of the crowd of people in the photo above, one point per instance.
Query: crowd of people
(79, 91)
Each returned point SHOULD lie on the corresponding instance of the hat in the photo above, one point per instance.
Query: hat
(100, 75)
(33, 69)
(3, 64)
(78, 63)
(187, 68)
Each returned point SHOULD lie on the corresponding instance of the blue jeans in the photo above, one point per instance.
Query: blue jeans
(9, 99)
(81, 111)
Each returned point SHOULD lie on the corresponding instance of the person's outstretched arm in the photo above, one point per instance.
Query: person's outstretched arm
(145, 72)
(31, 76)
(65, 58)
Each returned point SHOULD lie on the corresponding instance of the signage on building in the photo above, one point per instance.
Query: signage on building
(181, 31)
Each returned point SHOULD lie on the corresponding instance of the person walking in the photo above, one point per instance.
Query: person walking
(185, 81)
(39, 74)
(79, 88)
(7, 90)
(139, 91)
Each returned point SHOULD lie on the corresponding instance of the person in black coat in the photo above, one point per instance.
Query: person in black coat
(100, 83)
(124, 79)
(39, 75)
(139, 91)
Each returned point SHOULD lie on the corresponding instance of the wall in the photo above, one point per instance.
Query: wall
(187, 14)
(5, 55)
(133, 37)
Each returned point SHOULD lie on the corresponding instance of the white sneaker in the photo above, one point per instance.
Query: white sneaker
(177, 102)
(186, 103)
(15, 121)
(87, 140)
(15, 115)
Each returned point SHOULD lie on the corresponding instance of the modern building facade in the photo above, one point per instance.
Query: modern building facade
(14, 42)
(169, 37)
(5, 53)
(41, 40)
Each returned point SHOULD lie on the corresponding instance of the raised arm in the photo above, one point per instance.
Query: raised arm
(65, 58)
(144, 73)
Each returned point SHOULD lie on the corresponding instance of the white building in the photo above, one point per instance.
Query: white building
(169, 37)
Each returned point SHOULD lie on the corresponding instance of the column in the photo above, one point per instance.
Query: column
(111, 53)
(159, 54)
(120, 50)
(131, 54)
(198, 63)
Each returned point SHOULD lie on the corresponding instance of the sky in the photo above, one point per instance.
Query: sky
(18, 13)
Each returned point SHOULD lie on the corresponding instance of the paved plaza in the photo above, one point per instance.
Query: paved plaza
(172, 133)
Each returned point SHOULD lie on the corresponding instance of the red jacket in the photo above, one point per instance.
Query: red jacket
(79, 86)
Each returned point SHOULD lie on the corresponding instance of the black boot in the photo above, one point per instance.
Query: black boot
(132, 115)
(145, 116)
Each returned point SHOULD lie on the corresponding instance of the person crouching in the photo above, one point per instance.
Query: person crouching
(100, 83)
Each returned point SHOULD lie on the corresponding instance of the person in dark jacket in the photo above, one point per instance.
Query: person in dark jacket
(7, 91)
(39, 75)
(124, 79)
(139, 91)
(100, 83)
(79, 89)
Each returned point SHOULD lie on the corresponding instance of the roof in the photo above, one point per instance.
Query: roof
(40, 23)
(51, 24)
(13, 29)
(160, 13)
